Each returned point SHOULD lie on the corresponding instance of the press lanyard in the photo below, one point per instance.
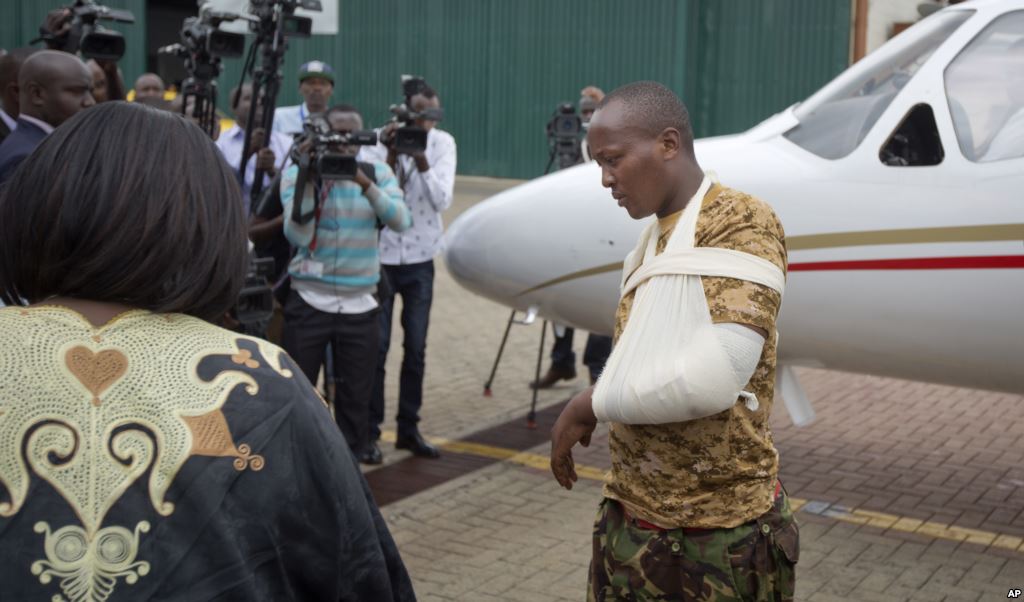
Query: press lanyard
(316, 215)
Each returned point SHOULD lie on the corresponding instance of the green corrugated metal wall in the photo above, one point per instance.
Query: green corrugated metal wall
(501, 66)
(20, 21)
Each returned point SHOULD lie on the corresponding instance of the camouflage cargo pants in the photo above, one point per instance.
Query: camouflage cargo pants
(754, 561)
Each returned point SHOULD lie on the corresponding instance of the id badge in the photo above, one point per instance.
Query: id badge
(308, 267)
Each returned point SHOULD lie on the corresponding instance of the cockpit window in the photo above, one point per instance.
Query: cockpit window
(985, 86)
(915, 142)
(838, 117)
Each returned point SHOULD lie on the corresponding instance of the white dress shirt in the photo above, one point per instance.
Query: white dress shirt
(288, 120)
(230, 145)
(39, 123)
(427, 194)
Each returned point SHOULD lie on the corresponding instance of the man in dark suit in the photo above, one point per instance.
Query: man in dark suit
(52, 86)
(10, 64)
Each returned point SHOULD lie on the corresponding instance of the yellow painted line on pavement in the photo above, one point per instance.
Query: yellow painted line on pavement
(501, 453)
(880, 520)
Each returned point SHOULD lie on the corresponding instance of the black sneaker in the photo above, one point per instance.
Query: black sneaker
(371, 455)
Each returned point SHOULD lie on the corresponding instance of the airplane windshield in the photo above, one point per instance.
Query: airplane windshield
(985, 88)
(837, 118)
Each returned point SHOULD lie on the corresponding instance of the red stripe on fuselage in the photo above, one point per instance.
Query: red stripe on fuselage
(921, 263)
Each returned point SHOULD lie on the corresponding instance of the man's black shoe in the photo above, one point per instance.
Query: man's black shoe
(555, 374)
(417, 445)
(372, 455)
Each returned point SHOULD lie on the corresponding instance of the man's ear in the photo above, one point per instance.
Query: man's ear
(36, 94)
(669, 143)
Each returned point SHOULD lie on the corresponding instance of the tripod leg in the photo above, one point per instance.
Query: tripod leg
(497, 358)
(531, 419)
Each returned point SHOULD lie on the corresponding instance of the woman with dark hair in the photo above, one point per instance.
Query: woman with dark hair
(144, 452)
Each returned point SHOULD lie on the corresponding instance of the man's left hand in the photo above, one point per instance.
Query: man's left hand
(265, 160)
(58, 23)
(575, 425)
(421, 161)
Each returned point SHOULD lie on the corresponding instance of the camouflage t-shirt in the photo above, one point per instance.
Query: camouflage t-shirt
(717, 471)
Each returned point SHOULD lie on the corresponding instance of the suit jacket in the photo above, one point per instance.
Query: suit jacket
(4, 130)
(17, 146)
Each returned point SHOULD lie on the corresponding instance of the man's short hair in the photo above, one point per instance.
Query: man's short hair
(427, 92)
(342, 108)
(100, 212)
(652, 107)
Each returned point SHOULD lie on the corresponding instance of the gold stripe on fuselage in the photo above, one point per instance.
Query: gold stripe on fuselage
(986, 233)
(601, 269)
(989, 233)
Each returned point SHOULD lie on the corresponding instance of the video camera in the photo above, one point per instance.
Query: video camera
(564, 129)
(410, 138)
(88, 37)
(203, 45)
(267, 11)
(327, 163)
(321, 161)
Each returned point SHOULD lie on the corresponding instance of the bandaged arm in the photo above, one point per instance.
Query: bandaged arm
(707, 379)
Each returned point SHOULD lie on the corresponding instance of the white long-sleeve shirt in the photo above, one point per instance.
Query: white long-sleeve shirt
(427, 195)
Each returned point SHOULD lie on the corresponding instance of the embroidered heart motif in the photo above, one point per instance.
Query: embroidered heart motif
(96, 371)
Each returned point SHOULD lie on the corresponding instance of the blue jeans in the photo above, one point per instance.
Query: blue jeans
(415, 284)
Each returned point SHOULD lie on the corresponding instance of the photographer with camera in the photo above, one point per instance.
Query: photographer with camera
(52, 87)
(316, 85)
(336, 268)
(231, 141)
(74, 29)
(599, 347)
(424, 159)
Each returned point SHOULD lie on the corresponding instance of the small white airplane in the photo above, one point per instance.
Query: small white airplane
(900, 185)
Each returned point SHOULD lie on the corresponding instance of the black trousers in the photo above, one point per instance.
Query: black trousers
(354, 341)
(595, 354)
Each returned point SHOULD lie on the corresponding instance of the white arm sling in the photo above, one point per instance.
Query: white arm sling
(671, 363)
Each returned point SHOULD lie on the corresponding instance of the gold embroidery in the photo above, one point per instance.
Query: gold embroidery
(89, 566)
(244, 358)
(96, 371)
(254, 461)
(90, 453)
(212, 437)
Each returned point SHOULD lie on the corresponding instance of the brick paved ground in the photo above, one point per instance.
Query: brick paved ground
(507, 532)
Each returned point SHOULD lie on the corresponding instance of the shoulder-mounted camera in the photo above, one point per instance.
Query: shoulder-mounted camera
(409, 138)
(87, 36)
(328, 156)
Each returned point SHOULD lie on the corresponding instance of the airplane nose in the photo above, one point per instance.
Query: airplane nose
(486, 245)
(549, 243)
